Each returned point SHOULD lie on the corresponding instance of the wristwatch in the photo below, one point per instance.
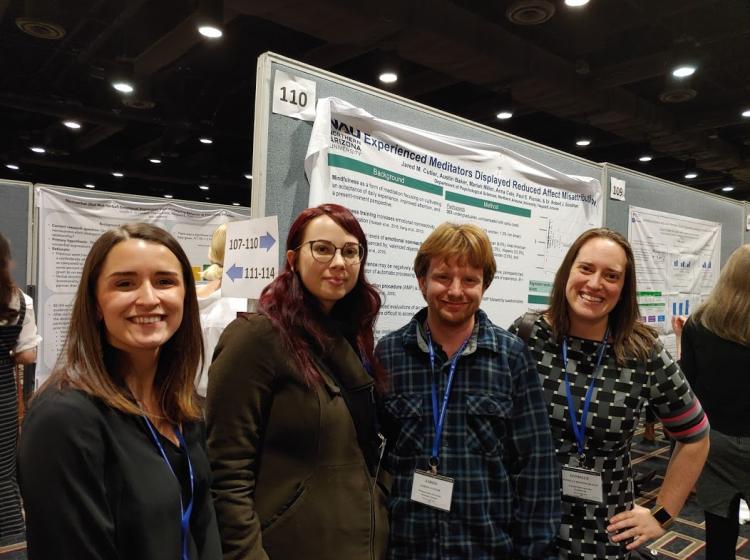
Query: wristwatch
(662, 516)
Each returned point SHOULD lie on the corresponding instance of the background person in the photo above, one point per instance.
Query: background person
(216, 312)
(291, 406)
(592, 331)
(501, 497)
(716, 360)
(112, 461)
(18, 343)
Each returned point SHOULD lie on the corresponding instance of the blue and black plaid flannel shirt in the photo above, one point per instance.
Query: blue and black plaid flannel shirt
(496, 445)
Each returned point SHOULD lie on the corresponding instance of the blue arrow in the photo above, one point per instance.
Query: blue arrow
(234, 272)
(267, 241)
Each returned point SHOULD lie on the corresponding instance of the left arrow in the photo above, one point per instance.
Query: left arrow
(234, 272)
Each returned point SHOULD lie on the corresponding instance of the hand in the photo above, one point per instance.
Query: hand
(637, 524)
(678, 321)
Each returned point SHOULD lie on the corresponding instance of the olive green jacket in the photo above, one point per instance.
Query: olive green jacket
(289, 478)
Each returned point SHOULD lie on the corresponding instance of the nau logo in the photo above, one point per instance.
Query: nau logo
(341, 126)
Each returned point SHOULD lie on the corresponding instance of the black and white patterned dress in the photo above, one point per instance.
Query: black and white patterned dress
(618, 396)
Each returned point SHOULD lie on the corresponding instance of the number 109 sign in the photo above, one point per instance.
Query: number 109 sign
(251, 257)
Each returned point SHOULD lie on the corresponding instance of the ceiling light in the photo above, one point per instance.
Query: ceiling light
(645, 158)
(388, 77)
(38, 150)
(203, 187)
(576, 3)
(12, 166)
(206, 140)
(683, 71)
(210, 31)
(746, 113)
(583, 142)
(74, 125)
(168, 196)
(118, 174)
(235, 203)
(728, 188)
(691, 175)
(123, 87)
(90, 185)
(504, 115)
(154, 160)
(248, 176)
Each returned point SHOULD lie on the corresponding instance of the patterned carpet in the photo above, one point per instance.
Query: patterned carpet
(685, 538)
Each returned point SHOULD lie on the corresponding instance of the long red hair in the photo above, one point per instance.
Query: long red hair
(298, 316)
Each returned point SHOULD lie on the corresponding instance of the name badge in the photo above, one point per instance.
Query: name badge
(432, 490)
(582, 484)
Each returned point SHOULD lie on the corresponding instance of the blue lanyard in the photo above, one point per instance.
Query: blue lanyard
(579, 430)
(439, 420)
(185, 512)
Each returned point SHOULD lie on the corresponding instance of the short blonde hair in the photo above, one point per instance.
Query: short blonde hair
(465, 242)
(216, 254)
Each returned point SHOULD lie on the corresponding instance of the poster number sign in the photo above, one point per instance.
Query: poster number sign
(617, 189)
(251, 257)
(293, 96)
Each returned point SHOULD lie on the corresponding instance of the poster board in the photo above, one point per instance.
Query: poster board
(15, 217)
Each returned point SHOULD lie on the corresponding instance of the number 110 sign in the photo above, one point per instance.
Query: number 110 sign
(293, 96)
(251, 257)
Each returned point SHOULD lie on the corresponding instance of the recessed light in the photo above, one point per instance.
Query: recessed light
(235, 203)
(576, 3)
(691, 175)
(203, 187)
(728, 188)
(206, 140)
(388, 77)
(504, 115)
(684, 71)
(154, 160)
(746, 113)
(210, 31)
(74, 125)
(206, 198)
(118, 174)
(645, 158)
(38, 150)
(583, 142)
(168, 196)
(248, 176)
(90, 185)
(123, 87)
(12, 166)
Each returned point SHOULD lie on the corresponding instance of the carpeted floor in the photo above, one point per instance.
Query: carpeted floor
(685, 538)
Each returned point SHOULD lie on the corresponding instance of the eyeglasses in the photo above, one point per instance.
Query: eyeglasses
(323, 251)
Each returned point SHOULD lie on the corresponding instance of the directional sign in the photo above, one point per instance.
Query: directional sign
(251, 257)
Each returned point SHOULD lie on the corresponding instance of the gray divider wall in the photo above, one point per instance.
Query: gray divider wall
(15, 224)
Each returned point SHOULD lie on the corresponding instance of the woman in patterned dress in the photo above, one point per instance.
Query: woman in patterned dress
(598, 366)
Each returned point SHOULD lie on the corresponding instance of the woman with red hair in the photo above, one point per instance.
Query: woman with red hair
(290, 408)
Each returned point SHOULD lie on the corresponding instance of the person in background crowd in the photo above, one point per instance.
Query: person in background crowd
(112, 461)
(598, 365)
(470, 449)
(216, 312)
(18, 344)
(716, 360)
(291, 406)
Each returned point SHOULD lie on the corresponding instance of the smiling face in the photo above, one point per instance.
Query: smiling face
(328, 282)
(594, 286)
(453, 292)
(140, 295)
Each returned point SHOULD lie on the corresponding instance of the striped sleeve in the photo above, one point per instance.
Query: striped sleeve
(673, 400)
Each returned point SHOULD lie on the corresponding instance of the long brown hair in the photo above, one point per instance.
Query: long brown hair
(726, 312)
(632, 339)
(7, 286)
(89, 363)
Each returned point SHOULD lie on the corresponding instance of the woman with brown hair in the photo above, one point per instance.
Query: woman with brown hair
(112, 461)
(599, 364)
(290, 409)
(18, 342)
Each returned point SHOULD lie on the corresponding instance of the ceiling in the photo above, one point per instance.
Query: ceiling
(601, 71)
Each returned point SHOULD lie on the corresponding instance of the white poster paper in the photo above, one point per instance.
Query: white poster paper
(677, 261)
(251, 257)
(68, 227)
(401, 182)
